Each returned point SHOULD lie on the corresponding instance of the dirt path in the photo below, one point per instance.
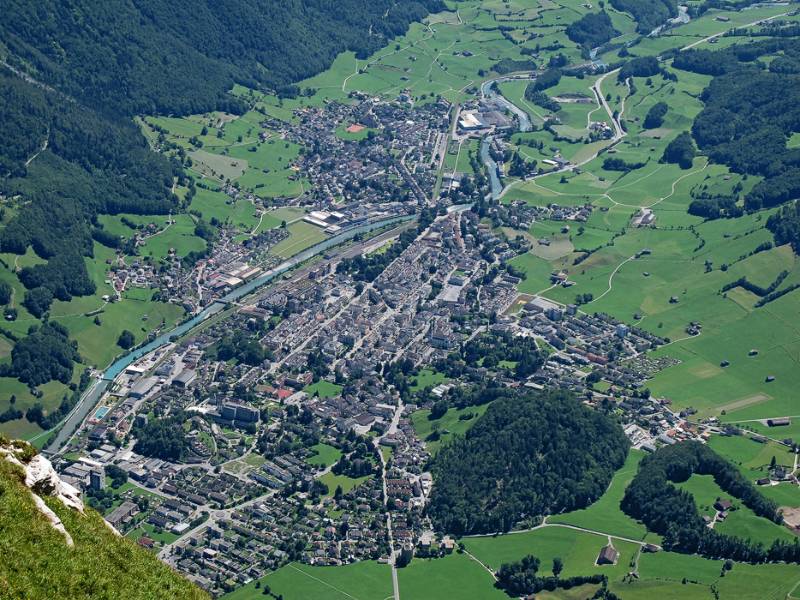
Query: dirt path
(611, 278)
(42, 149)
(574, 528)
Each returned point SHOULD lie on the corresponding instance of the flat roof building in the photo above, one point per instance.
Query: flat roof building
(185, 378)
(142, 387)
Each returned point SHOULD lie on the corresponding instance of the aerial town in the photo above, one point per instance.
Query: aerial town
(306, 390)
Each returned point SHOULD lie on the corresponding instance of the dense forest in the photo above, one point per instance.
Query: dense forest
(90, 165)
(592, 30)
(45, 354)
(655, 116)
(541, 99)
(644, 66)
(241, 348)
(649, 14)
(151, 56)
(162, 438)
(749, 113)
(490, 350)
(671, 512)
(680, 151)
(547, 79)
(530, 454)
(785, 225)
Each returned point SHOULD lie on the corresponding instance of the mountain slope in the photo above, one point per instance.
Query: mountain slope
(151, 56)
(38, 561)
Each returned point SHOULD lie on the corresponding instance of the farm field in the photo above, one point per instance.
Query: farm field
(741, 521)
(680, 576)
(753, 459)
(577, 549)
(791, 430)
(661, 575)
(455, 575)
(679, 280)
(231, 150)
(364, 580)
(177, 236)
(216, 205)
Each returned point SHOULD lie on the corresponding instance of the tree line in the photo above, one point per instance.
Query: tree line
(522, 579)
(592, 30)
(672, 512)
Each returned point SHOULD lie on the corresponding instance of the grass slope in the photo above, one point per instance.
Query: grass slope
(37, 563)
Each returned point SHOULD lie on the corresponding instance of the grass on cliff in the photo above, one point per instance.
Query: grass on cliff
(37, 563)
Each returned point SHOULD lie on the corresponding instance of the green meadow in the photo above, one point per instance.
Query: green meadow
(364, 580)
(324, 455)
(302, 235)
(689, 262)
(323, 389)
(741, 521)
(427, 378)
(454, 576)
(447, 426)
(605, 514)
(346, 483)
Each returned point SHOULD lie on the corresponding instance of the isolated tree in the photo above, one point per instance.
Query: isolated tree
(126, 339)
(558, 566)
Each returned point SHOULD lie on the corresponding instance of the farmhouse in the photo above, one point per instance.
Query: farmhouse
(608, 555)
(723, 505)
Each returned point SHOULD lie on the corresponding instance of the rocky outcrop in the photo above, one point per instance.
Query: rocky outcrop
(42, 479)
